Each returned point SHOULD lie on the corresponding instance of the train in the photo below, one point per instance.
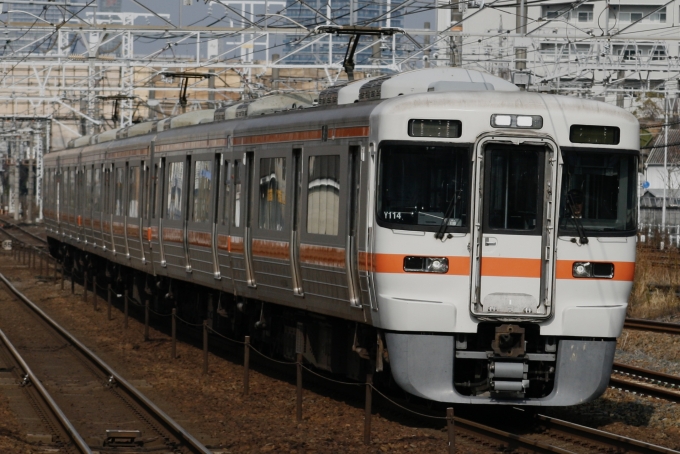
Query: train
(473, 242)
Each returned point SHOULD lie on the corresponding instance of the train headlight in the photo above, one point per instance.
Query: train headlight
(517, 121)
(593, 270)
(501, 120)
(426, 264)
(582, 269)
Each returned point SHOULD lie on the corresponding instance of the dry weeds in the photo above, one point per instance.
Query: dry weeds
(656, 285)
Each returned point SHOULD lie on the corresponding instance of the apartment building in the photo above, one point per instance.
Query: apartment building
(599, 47)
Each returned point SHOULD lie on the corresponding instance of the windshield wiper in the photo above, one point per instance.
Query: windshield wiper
(445, 220)
(577, 221)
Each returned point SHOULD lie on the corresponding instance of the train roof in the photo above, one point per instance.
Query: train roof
(369, 89)
(444, 90)
(474, 110)
(418, 81)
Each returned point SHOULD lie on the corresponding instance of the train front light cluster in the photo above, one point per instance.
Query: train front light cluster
(517, 121)
(426, 264)
(593, 270)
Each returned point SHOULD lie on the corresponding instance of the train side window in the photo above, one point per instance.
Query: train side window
(153, 193)
(134, 185)
(107, 190)
(272, 193)
(72, 189)
(88, 190)
(227, 192)
(323, 195)
(118, 183)
(63, 189)
(81, 200)
(97, 190)
(203, 173)
(66, 192)
(237, 193)
(175, 185)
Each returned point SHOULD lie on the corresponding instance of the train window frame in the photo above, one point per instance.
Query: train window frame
(307, 178)
(571, 232)
(118, 207)
(225, 189)
(81, 193)
(159, 188)
(208, 200)
(89, 189)
(537, 230)
(97, 188)
(132, 167)
(466, 146)
(238, 202)
(322, 149)
(269, 223)
(73, 185)
(167, 194)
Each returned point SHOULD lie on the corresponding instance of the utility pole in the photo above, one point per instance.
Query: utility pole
(520, 78)
(17, 176)
(665, 168)
(457, 41)
(29, 184)
(426, 45)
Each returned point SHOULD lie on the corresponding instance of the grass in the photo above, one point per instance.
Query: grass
(657, 277)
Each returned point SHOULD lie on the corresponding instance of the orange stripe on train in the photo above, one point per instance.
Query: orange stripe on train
(322, 255)
(315, 134)
(279, 250)
(203, 239)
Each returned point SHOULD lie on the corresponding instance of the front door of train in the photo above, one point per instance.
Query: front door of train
(513, 234)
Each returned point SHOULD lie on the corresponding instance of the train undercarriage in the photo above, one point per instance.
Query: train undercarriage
(502, 362)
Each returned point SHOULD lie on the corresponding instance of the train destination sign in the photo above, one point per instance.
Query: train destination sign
(603, 135)
(446, 129)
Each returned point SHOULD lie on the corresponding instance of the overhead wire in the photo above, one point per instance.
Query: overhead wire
(417, 9)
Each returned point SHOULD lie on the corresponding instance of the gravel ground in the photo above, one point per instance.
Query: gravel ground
(212, 406)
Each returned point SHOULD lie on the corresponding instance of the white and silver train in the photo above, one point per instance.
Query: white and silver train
(476, 241)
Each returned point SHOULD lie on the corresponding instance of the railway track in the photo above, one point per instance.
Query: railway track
(543, 434)
(651, 325)
(582, 437)
(21, 233)
(101, 405)
(654, 384)
(61, 433)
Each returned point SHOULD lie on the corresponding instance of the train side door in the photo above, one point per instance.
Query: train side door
(175, 215)
(239, 239)
(118, 208)
(512, 259)
(224, 219)
(270, 225)
(204, 175)
(325, 250)
(157, 215)
(97, 205)
(133, 209)
(109, 197)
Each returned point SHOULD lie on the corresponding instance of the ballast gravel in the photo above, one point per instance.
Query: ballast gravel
(213, 408)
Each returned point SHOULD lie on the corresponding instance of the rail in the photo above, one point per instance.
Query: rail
(170, 424)
(45, 395)
(657, 384)
(23, 230)
(651, 325)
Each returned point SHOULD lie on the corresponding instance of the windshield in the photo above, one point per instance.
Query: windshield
(420, 183)
(598, 190)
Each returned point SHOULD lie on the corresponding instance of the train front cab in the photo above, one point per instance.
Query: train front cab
(526, 248)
